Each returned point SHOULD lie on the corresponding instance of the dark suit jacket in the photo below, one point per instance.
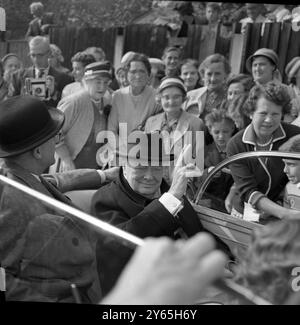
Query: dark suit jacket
(61, 80)
(34, 27)
(117, 204)
(42, 250)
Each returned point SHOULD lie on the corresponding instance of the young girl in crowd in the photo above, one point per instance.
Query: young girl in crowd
(237, 111)
(189, 74)
(237, 85)
(221, 127)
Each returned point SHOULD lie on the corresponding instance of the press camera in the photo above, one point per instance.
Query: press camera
(37, 87)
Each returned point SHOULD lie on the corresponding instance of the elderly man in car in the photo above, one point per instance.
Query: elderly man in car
(141, 203)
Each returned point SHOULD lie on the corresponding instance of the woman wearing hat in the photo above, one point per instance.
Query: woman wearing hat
(174, 120)
(259, 182)
(86, 115)
(132, 105)
(263, 65)
(11, 63)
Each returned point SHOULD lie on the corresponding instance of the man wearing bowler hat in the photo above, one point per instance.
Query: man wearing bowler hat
(42, 251)
(141, 202)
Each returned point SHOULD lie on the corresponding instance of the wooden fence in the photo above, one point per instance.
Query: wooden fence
(151, 40)
(282, 38)
(147, 39)
(72, 40)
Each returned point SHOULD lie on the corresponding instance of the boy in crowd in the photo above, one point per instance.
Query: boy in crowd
(292, 169)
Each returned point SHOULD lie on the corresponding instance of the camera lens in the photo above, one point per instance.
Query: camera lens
(38, 90)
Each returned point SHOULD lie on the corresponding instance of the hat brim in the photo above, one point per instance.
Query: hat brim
(294, 70)
(97, 75)
(121, 159)
(57, 121)
(250, 60)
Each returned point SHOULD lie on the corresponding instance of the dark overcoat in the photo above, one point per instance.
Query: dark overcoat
(42, 250)
(117, 204)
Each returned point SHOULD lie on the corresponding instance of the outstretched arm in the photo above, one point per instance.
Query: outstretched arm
(168, 272)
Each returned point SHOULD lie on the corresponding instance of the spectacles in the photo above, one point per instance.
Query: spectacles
(38, 55)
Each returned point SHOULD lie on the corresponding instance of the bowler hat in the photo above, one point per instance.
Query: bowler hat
(268, 53)
(95, 69)
(146, 149)
(25, 123)
(172, 82)
(292, 67)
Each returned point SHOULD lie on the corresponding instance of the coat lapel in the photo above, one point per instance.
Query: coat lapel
(182, 127)
(156, 122)
(24, 177)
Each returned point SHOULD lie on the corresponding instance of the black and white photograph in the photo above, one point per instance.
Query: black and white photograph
(149, 156)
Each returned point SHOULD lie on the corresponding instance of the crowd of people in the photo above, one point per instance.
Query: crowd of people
(53, 123)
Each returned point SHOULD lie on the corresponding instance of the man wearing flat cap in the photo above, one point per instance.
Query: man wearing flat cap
(86, 114)
(141, 202)
(42, 250)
